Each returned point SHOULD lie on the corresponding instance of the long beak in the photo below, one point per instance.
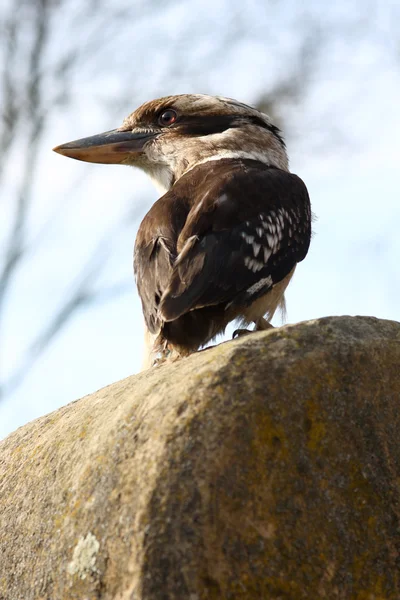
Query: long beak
(111, 147)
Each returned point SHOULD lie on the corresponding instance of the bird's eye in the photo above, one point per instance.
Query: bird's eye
(167, 117)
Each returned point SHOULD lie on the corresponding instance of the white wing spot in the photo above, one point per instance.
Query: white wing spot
(287, 216)
(248, 238)
(260, 284)
(268, 237)
(267, 254)
(252, 264)
(273, 241)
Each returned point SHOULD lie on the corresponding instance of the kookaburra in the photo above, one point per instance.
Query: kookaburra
(224, 239)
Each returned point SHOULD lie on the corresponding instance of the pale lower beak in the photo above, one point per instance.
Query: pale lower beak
(111, 147)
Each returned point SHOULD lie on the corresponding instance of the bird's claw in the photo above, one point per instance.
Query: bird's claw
(240, 332)
(161, 357)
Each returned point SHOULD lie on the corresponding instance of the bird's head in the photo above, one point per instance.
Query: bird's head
(169, 136)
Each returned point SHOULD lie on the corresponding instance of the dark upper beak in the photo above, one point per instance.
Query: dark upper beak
(110, 147)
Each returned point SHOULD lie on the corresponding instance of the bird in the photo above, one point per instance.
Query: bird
(222, 242)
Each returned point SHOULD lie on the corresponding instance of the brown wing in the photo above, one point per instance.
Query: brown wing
(155, 253)
(247, 236)
(224, 234)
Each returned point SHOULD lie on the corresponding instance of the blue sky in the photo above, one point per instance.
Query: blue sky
(342, 140)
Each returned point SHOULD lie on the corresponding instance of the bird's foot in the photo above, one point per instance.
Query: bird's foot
(263, 325)
(158, 360)
(241, 332)
(260, 325)
(166, 355)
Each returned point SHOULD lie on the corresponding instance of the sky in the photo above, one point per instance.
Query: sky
(342, 140)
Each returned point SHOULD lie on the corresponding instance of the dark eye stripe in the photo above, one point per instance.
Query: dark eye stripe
(210, 125)
(272, 128)
(206, 125)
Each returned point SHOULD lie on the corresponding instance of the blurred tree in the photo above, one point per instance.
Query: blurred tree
(36, 82)
(50, 48)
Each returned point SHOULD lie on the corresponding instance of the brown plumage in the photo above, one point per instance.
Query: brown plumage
(224, 239)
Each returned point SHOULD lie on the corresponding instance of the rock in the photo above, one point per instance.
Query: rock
(264, 468)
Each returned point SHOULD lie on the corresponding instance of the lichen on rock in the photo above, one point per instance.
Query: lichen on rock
(84, 558)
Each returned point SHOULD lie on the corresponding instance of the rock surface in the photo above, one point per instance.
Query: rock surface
(263, 468)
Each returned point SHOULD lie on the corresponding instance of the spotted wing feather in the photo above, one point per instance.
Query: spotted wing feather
(249, 234)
